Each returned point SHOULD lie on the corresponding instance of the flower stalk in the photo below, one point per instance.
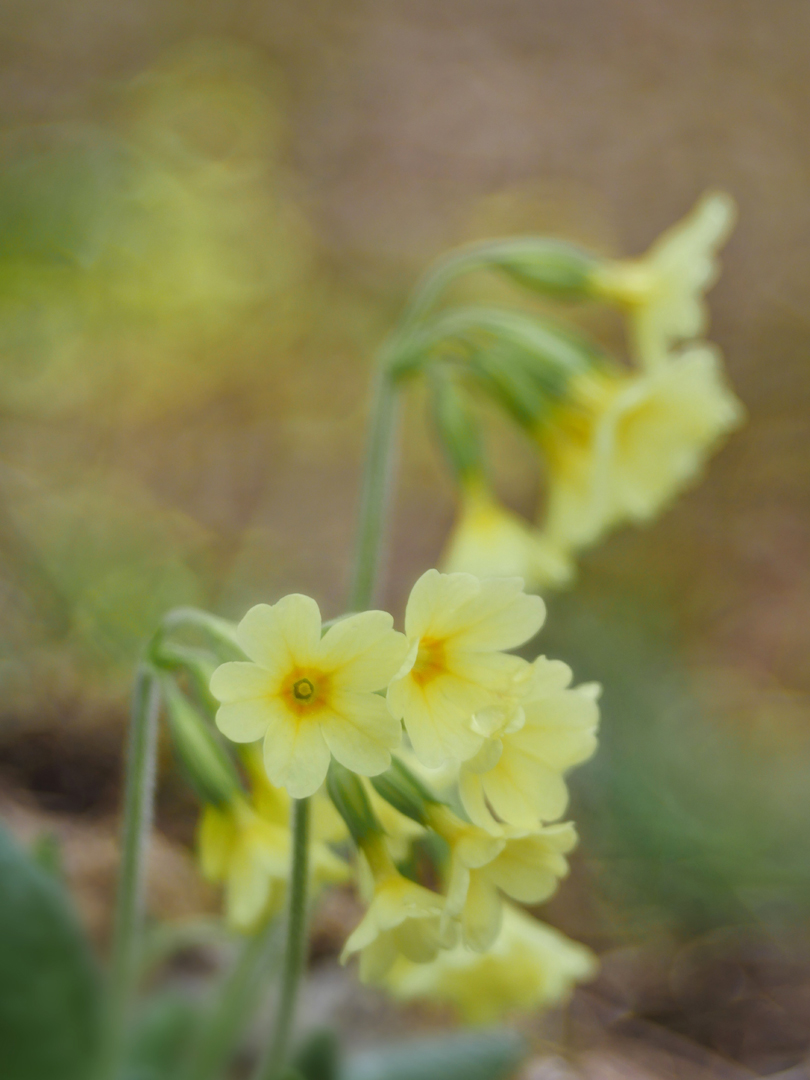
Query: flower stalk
(137, 824)
(295, 946)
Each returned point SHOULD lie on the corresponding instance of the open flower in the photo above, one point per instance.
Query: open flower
(530, 966)
(403, 918)
(457, 626)
(246, 845)
(525, 866)
(625, 444)
(533, 739)
(490, 541)
(663, 290)
(311, 696)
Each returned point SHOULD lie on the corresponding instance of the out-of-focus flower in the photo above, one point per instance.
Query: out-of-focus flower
(311, 696)
(530, 966)
(533, 737)
(663, 291)
(624, 445)
(457, 627)
(490, 541)
(525, 866)
(246, 845)
(403, 918)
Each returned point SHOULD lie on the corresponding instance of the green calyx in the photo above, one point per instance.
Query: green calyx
(406, 792)
(351, 801)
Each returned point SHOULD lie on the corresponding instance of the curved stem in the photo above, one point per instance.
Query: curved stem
(138, 808)
(295, 946)
(374, 494)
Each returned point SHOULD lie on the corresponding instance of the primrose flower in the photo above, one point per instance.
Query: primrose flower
(246, 845)
(309, 695)
(403, 918)
(663, 290)
(457, 626)
(524, 866)
(627, 444)
(532, 739)
(490, 541)
(530, 966)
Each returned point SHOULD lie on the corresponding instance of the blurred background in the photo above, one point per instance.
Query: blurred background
(210, 216)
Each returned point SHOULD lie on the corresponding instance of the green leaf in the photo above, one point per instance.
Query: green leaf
(162, 1037)
(49, 989)
(318, 1057)
(483, 1055)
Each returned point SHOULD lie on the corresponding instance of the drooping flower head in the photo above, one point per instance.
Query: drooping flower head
(663, 290)
(523, 865)
(457, 627)
(311, 696)
(403, 918)
(534, 737)
(529, 966)
(245, 845)
(625, 444)
(490, 541)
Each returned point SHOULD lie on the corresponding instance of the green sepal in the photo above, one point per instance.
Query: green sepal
(205, 761)
(547, 266)
(405, 792)
(458, 429)
(352, 802)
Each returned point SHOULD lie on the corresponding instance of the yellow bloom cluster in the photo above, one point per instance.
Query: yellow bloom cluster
(619, 442)
(506, 729)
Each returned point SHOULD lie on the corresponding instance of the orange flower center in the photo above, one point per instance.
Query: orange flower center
(430, 661)
(305, 690)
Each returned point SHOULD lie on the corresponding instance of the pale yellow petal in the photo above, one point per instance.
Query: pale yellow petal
(500, 616)
(216, 839)
(296, 756)
(363, 651)
(361, 732)
(247, 890)
(241, 681)
(246, 721)
(523, 791)
(434, 721)
(433, 601)
(481, 918)
(289, 631)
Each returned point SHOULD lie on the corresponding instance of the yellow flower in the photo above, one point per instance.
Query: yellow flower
(525, 866)
(403, 918)
(532, 739)
(530, 966)
(311, 696)
(663, 290)
(456, 627)
(490, 541)
(247, 846)
(627, 444)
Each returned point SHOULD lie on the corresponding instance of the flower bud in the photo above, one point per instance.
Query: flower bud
(210, 770)
(547, 266)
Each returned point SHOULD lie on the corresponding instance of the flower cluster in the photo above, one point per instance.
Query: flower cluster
(381, 713)
(618, 441)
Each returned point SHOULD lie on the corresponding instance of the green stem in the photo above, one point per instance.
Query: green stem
(374, 494)
(138, 807)
(235, 1002)
(295, 946)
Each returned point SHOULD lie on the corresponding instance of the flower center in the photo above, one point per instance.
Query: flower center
(303, 690)
(430, 661)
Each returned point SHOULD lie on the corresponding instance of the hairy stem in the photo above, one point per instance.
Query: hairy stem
(295, 946)
(374, 493)
(138, 806)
